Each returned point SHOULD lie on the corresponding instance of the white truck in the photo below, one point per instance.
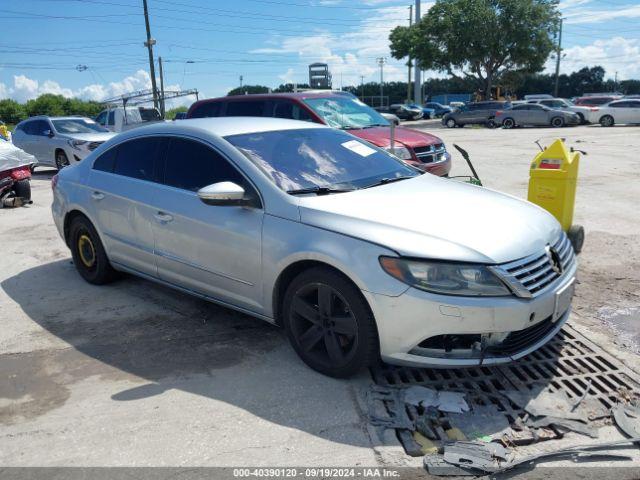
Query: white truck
(120, 119)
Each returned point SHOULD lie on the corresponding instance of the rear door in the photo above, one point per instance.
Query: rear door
(213, 250)
(40, 144)
(121, 186)
(622, 111)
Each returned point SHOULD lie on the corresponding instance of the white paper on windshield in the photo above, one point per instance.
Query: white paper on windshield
(359, 148)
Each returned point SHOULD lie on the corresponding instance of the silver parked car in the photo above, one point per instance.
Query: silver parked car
(582, 111)
(535, 115)
(313, 229)
(59, 141)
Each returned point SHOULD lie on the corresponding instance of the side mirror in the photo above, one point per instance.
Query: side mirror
(48, 133)
(223, 194)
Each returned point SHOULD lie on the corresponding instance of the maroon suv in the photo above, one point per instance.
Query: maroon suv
(339, 110)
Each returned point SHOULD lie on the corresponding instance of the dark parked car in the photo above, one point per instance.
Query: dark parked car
(478, 113)
(439, 108)
(406, 112)
(338, 110)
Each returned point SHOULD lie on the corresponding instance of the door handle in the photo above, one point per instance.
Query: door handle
(163, 217)
(97, 196)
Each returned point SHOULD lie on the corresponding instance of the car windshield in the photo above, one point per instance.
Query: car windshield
(77, 125)
(346, 112)
(319, 158)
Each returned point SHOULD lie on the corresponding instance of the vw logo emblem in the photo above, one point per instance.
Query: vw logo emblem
(554, 260)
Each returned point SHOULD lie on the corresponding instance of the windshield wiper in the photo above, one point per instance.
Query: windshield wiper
(385, 180)
(319, 190)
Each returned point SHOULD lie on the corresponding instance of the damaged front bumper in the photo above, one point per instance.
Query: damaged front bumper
(423, 329)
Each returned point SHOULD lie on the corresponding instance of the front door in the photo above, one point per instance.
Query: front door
(213, 250)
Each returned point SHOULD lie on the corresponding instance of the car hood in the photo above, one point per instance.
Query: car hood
(380, 136)
(430, 217)
(89, 137)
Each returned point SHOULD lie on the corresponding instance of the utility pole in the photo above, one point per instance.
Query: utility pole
(241, 81)
(149, 44)
(362, 87)
(417, 87)
(381, 61)
(162, 106)
(409, 60)
(558, 54)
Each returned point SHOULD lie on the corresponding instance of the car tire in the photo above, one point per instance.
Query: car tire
(451, 123)
(557, 122)
(607, 121)
(576, 237)
(22, 188)
(61, 160)
(313, 302)
(491, 123)
(88, 253)
(508, 123)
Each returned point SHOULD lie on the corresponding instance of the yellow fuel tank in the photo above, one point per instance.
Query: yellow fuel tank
(552, 181)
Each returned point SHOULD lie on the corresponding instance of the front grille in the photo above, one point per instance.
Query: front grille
(521, 339)
(529, 276)
(430, 153)
(93, 145)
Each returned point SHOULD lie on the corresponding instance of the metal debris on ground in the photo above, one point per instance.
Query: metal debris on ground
(540, 402)
(474, 458)
(444, 401)
(563, 424)
(590, 380)
(627, 417)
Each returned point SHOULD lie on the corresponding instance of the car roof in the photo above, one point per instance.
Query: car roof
(225, 126)
(292, 95)
(47, 117)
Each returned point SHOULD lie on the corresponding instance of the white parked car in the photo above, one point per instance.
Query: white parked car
(59, 141)
(563, 104)
(626, 111)
(120, 119)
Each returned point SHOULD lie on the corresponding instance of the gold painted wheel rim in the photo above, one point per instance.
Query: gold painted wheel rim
(86, 250)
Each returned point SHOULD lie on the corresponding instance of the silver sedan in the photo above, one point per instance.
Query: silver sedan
(535, 115)
(357, 255)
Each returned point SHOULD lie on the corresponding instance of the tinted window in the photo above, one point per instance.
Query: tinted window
(135, 158)
(209, 109)
(192, 165)
(621, 105)
(520, 107)
(101, 118)
(106, 161)
(37, 127)
(290, 110)
(112, 116)
(245, 109)
(535, 107)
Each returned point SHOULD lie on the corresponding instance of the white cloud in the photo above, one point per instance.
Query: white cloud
(617, 54)
(369, 40)
(25, 88)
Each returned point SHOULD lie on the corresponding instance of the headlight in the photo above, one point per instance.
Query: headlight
(402, 153)
(445, 278)
(76, 143)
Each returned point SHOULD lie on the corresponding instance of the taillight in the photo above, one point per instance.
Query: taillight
(594, 109)
(54, 182)
(498, 113)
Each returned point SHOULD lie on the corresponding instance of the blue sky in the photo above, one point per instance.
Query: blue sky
(208, 44)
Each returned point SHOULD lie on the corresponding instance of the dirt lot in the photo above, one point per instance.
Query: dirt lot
(137, 374)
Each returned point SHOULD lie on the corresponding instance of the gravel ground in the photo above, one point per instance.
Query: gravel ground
(137, 374)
